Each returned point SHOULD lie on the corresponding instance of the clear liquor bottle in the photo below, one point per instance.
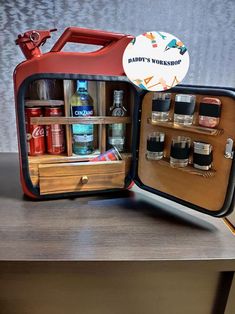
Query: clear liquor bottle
(117, 131)
(82, 106)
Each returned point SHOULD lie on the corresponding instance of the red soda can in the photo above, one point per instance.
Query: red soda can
(55, 132)
(111, 155)
(35, 133)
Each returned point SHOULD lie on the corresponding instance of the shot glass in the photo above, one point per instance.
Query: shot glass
(209, 112)
(180, 151)
(155, 145)
(161, 106)
(184, 109)
(202, 155)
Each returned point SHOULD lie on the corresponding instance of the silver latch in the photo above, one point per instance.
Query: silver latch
(229, 149)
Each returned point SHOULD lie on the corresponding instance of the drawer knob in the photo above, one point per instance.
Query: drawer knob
(84, 179)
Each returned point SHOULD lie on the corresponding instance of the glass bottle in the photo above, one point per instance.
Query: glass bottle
(184, 109)
(160, 106)
(209, 112)
(117, 131)
(46, 89)
(155, 145)
(180, 150)
(82, 106)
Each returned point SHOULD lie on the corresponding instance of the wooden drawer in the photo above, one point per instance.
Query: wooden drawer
(33, 172)
(82, 176)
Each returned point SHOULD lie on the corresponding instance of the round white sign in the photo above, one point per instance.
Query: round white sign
(156, 61)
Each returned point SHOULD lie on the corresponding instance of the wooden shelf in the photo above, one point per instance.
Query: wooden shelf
(80, 120)
(189, 128)
(47, 158)
(43, 103)
(189, 169)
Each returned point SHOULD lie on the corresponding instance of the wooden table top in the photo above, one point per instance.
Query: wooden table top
(114, 227)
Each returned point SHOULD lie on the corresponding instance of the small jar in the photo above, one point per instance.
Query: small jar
(180, 151)
(202, 155)
(209, 112)
(184, 109)
(155, 145)
(160, 106)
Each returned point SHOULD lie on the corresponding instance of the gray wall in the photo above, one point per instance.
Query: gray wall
(206, 27)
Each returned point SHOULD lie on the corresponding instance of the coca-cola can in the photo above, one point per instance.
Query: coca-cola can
(35, 133)
(110, 155)
(54, 133)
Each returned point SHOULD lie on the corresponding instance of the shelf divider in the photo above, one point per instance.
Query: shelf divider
(43, 103)
(80, 120)
(189, 169)
(188, 128)
(101, 101)
(69, 90)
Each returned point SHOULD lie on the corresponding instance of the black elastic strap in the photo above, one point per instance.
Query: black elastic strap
(180, 153)
(182, 107)
(161, 105)
(209, 110)
(202, 160)
(154, 146)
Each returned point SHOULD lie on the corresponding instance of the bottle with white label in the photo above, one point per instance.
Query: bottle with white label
(82, 106)
(117, 131)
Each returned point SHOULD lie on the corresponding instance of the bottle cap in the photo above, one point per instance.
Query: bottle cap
(82, 84)
(118, 96)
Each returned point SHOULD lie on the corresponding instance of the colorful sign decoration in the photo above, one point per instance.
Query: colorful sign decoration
(156, 61)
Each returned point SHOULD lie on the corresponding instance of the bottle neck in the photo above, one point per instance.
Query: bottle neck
(82, 86)
(118, 98)
(117, 104)
(81, 90)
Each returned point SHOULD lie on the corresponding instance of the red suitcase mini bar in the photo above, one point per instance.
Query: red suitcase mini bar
(49, 81)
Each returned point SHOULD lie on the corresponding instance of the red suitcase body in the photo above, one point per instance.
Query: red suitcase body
(103, 67)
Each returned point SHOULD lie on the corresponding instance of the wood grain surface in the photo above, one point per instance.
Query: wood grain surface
(117, 226)
(208, 193)
(38, 161)
(69, 177)
(80, 120)
(106, 288)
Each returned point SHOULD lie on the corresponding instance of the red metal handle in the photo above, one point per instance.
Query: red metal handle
(86, 36)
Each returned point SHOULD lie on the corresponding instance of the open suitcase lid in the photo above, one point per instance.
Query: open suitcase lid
(211, 194)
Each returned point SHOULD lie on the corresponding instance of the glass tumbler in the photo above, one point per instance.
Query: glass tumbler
(161, 106)
(184, 109)
(209, 112)
(180, 151)
(202, 155)
(155, 145)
